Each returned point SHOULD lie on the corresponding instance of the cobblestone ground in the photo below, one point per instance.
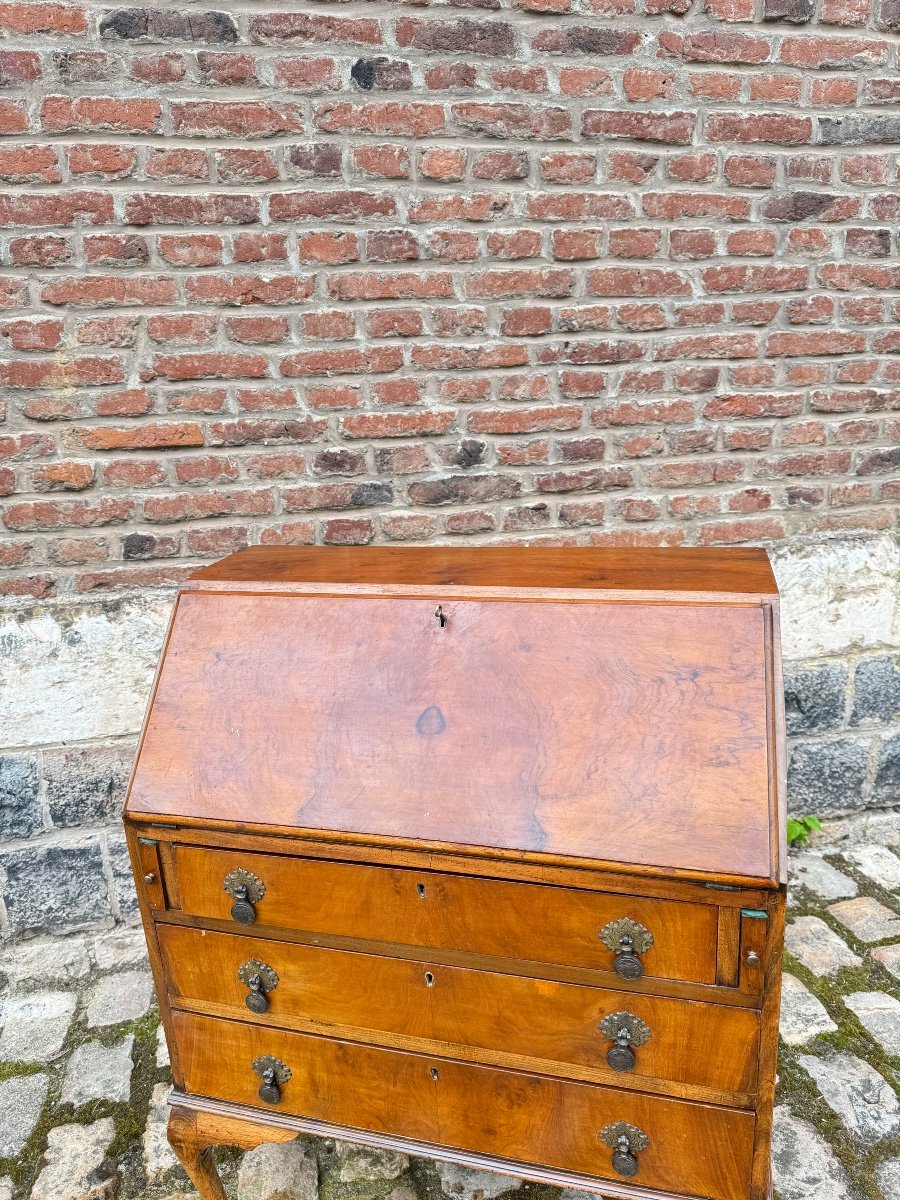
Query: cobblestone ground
(84, 1073)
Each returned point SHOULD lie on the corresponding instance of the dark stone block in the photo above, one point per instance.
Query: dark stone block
(798, 12)
(371, 493)
(877, 691)
(470, 452)
(386, 74)
(169, 25)
(827, 777)
(126, 23)
(886, 789)
(814, 700)
(83, 66)
(797, 206)
(321, 160)
(86, 786)
(123, 879)
(854, 129)
(888, 15)
(879, 462)
(20, 813)
(55, 887)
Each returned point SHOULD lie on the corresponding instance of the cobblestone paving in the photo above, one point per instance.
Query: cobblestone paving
(84, 1072)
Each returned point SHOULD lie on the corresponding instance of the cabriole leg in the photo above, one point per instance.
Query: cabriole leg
(192, 1136)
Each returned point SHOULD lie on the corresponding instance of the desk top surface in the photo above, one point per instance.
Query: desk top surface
(615, 708)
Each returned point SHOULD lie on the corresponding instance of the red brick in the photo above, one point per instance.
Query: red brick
(63, 208)
(156, 435)
(524, 420)
(297, 28)
(748, 530)
(833, 53)
(158, 69)
(230, 70)
(647, 83)
(191, 249)
(393, 118)
(716, 46)
(227, 118)
(343, 362)
(387, 162)
(181, 329)
(259, 247)
(170, 208)
(398, 424)
(636, 281)
(307, 74)
(58, 514)
(778, 128)
(778, 88)
(89, 114)
(246, 166)
(42, 18)
(346, 531)
(243, 290)
(511, 120)
(29, 164)
(345, 205)
(37, 334)
(675, 128)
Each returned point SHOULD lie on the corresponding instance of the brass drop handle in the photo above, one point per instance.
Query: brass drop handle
(256, 998)
(626, 1031)
(623, 1161)
(274, 1075)
(246, 890)
(269, 1091)
(242, 910)
(626, 1142)
(627, 939)
(260, 979)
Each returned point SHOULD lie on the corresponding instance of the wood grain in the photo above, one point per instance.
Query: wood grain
(514, 866)
(696, 1149)
(707, 1045)
(429, 908)
(738, 570)
(629, 732)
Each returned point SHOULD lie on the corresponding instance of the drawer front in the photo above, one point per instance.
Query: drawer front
(454, 912)
(698, 1150)
(707, 1045)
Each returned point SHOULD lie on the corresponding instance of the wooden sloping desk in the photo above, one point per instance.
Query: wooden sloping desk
(472, 853)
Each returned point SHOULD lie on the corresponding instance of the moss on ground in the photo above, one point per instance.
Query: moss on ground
(795, 1087)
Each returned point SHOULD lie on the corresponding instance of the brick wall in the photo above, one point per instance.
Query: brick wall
(608, 271)
(595, 271)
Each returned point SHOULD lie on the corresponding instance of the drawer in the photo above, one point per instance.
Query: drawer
(453, 912)
(706, 1045)
(694, 1149)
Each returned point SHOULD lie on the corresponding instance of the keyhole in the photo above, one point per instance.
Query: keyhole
(441, 616)
(429, 979)
(420, 888)
(434, 1072)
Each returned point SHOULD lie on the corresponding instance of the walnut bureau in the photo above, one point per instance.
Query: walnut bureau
(475, 854)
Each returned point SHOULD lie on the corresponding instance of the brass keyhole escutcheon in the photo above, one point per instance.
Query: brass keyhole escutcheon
(429, 979)
(625, 1031)
(627, 939)
(626, 1142)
